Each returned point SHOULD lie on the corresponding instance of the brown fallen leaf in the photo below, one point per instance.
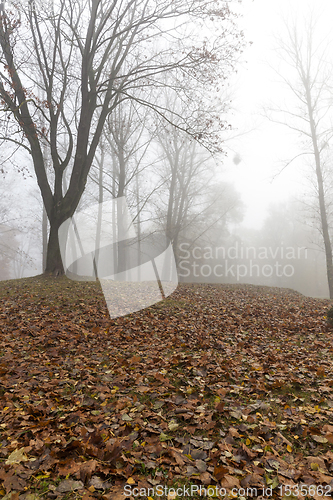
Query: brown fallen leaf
(98, 483)
(250, 454)
(229, 482)
(14, 495)
(233, 432)
(36, 443)
(316, 460)
(220, 472)
(113, 451)
(69, 485)
(329, 437)
(206, 478)
(252, 480)
(328, 428)
(71, 468)
(13, 482)
(179, 457)
(86, 470)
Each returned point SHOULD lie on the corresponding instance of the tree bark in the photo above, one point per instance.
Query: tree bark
(44, 238)
(54, 263)
(321, 192)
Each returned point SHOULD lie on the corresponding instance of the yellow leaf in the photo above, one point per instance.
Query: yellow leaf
(319, 439)
(130, 480)
(172, 425)
(212, 491)
(16, 457)
(6, 408)
(247, 442)
(172, 495)
(289, 448)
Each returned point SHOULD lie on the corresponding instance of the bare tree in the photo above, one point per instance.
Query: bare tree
(122, 158)
(88, 56)
(305, 56)
(182, 168)
(192, 202)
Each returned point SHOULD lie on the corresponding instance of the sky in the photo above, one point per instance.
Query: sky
(264, 147)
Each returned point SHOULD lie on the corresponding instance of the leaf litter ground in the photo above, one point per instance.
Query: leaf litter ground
(227, 385)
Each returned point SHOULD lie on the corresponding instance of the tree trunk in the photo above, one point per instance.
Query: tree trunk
(325, 232)
(121, 243)
(44, 237)
(137, 188)
(121, 217)
(321, 193)
(54, 263)
(100, 209)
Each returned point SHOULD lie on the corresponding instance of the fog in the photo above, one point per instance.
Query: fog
(265, 147)
(250, 214)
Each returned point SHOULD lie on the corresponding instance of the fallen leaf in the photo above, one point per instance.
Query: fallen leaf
(16, 457)
(69, 485)
(320, 439)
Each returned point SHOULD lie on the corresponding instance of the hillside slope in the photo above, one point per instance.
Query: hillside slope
(229, 386)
